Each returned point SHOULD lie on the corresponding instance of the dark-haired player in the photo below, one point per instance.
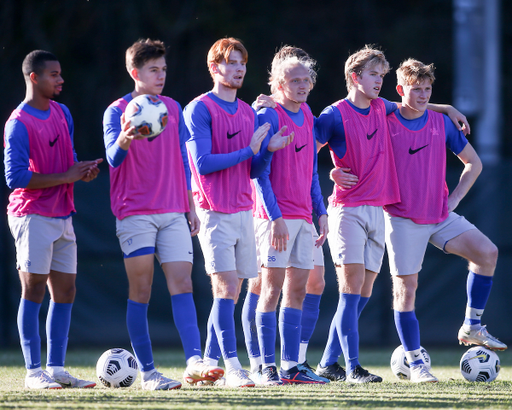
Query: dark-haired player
(41, 166)
(151, 199)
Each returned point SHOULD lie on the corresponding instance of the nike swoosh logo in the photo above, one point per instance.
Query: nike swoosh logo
(65, 384)
(52, 143)
(370, 136)
(479, 314)
(232, 135)
(414, 151)
(190, 253)
(416, 355)
(297, 149)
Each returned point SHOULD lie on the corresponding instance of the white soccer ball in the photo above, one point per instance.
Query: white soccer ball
(117, 368)
(480, 364)
(400, 366)
(148, 114)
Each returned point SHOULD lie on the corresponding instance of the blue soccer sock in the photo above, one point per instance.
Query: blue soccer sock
(28, 328)
(310, 313)
(57, 330)
(137, 324)
(212, 351)
(347, 327)
(224, 324)
(266, 324)
(333, 350)
(185, 319)
(478, 288)
(250, 330)
(408, 329)
(289, 329)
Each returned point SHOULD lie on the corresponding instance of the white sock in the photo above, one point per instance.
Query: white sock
(303, 348)
(210, 362)
(255, 363)
(193, 359)
(287, 365)
(32, 372)
(147, 375)
(232, 364)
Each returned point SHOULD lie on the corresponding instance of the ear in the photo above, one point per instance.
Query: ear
(134, 73)
(354, 78)
(400, 90)
(214, 68)
(33, 77)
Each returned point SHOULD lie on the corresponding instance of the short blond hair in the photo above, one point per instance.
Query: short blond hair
(412, 71)
(284, 60)
(221, 50)
(367, 57)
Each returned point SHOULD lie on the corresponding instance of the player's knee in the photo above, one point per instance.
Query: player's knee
(317, 287)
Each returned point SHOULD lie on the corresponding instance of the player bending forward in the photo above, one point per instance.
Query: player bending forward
(150, 196)
(425, 214)
(41, 166)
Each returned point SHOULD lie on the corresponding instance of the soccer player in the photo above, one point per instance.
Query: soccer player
(287, 192)
(356, 130)
(41, 166)
(426, 214)
(225, 139)
(152, 200)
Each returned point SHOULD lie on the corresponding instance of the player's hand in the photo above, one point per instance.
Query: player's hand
(193, 222)
(258, 137)
(343, 178)
(93, 171)
(78, 171)
(323, 230)
(264, 101)
(457, 118)
(452, 203)
(279, 141)
(128, 134)
(279, 235)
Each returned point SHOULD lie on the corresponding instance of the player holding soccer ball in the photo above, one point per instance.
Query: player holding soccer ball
(152, 201)
(41, 166)
(225, 148)
(425, 213)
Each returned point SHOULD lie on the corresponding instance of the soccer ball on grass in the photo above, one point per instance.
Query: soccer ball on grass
(117, 368)
(400, 365)
(480, 364)
(148, 114)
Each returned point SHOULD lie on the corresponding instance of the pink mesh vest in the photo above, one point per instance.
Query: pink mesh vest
(420, 158)
(369, 156)
(151, 179)
(51, 152)
(227, 190)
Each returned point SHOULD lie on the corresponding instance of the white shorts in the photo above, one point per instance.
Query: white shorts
(44, 244)
(299, 250)
(356, 235)
(407, 241)
(228, 242)
(168, 233)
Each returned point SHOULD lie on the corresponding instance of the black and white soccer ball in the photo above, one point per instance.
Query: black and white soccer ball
(400, 366)
(117, 368)
(148, 114)
(480, 364)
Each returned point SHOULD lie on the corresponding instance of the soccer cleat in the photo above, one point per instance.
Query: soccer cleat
(306, 368)
(41, 380)
(421, 374)
(269, 377)
(360, 375)
(295, 376)
(68, 381)
(468, 335)
(199, 371)
(238, 378)
(256, 376)
(334, 372)
(157, 381)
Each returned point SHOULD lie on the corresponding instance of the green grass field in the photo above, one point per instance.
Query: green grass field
(451, 392)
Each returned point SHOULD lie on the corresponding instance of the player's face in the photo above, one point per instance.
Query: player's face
(297, 84)
(151, 77)
(231, 73)
(417, 96)
(49, 81)
(370, 81)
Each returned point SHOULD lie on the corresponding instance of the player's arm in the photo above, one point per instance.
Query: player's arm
(455, 115)
(116, 146)
(471, 171)
(198, 121)
(318, 203)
